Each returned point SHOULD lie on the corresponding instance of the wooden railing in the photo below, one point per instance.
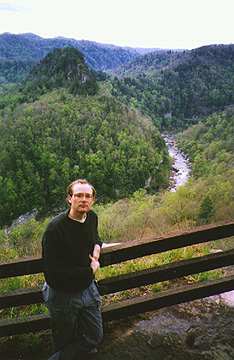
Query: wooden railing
(128, 251)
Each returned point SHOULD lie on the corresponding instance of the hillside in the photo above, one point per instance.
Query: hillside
(209, 144)
(175, 89)
(63, 67)
(149, 63)
(57, 127)
(19, 53)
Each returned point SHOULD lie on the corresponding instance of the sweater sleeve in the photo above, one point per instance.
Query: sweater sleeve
(98, 240)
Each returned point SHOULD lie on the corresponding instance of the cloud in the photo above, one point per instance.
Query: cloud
(9, 7)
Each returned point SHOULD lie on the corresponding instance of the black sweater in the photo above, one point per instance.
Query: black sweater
(66, 246)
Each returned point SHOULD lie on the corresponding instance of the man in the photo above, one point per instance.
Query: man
(71, 250)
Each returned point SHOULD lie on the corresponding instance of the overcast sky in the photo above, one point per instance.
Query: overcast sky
(136, 23)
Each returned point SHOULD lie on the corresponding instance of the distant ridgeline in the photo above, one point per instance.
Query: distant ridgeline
(176, 88)
(19, 53)
(55, 129)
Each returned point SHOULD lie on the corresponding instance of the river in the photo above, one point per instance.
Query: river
(181, 166)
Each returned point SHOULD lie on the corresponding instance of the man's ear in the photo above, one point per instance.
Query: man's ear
(69, 199)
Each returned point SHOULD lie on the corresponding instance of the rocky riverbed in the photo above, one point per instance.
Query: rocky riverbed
(181, 166)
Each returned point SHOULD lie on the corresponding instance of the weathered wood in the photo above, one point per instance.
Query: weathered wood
(22, 326)
(21, 297)
(135, 279)
(154, 245)
(27, 266)
(167, 298)
(167, 272)
(128, 307)
(133, 249)
(125, 252)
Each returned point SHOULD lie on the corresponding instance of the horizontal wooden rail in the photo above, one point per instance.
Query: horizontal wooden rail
(166, 272)
(132, 250)
(21, 297)
(128, 307)
(155, 245)
(132, 280)
(128, 251)
(167, 298)
(28, 266)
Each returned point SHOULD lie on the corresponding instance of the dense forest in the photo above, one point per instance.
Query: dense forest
(19, 53)
(149, 63)
(210, 146)
(177, 88)
(57, 129)
(65, 120)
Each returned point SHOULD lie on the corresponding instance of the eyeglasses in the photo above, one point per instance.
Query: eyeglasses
(83, 195)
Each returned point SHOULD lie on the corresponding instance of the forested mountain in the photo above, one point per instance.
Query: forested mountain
(149, 63)
(60, 124)
(19, 53)
(54, 130)
(64, 68)
(61, 68)
(175, 89)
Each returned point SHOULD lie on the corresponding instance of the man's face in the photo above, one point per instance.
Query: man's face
(81, 199)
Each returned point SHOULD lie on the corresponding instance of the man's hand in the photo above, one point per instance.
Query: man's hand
(96, 252)
(94, 264)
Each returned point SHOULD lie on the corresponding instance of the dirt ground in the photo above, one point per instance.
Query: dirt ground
(199, 330)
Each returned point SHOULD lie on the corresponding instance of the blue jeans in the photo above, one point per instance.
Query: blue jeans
(76, 321)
